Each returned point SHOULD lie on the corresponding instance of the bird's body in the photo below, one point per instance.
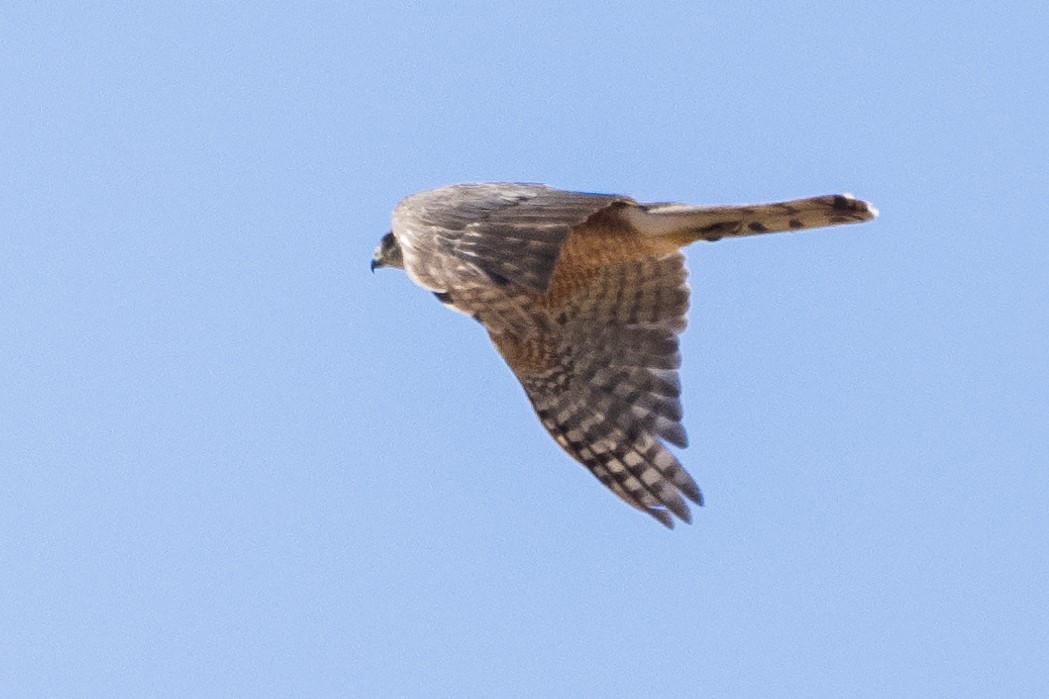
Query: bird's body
(584, 296)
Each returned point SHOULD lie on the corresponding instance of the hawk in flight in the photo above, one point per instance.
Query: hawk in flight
(584, 296)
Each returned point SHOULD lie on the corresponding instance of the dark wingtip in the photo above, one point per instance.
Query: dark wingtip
(692, 492)
(662, 515)
(675, 434)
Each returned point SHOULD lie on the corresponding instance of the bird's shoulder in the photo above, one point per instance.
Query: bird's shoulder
(455, 207)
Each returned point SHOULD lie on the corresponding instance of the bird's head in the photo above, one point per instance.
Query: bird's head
(388, 253)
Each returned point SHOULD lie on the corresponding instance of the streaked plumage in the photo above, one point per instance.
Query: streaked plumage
(584, 296)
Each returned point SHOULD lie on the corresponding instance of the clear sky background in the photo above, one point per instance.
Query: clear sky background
(233, 462)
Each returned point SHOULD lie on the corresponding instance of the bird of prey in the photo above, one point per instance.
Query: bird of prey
(584, 295)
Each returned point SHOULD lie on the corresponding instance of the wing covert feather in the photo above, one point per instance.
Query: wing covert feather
(611, 392)
(510, 233)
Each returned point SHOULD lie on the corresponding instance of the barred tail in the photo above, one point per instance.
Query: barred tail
(685, 224)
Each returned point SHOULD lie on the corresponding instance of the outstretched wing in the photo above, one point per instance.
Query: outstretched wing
(609, 394)
(494, 233)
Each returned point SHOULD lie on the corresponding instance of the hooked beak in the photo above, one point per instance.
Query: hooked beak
(377, 260)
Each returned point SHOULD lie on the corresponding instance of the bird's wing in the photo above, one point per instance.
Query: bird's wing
(494, 233)
(607, 387)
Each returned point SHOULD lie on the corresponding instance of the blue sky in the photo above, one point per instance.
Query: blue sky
(234, 463)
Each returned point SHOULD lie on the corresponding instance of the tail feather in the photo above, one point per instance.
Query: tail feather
(684, 223)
